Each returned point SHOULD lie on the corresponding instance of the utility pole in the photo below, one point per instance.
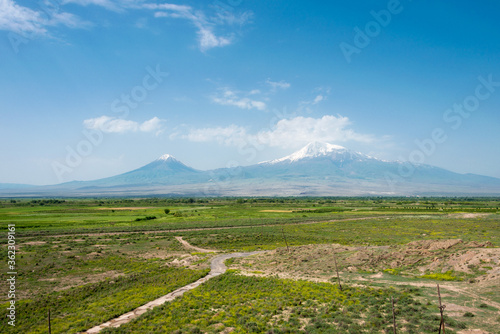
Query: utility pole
(286, 243)
(337, 269)
(393, 315)
(441, 309)
(49, 323)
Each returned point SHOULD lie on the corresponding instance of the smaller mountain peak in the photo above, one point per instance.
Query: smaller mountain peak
(166, 157)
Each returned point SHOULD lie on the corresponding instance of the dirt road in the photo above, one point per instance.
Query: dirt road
(189, 246)
(217, 267)
(28, 235)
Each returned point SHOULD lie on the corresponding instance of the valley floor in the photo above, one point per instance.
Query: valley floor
(89, 262)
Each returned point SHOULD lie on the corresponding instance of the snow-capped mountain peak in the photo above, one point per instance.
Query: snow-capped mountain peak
(312, 150)
(316, 149)
(166, 157)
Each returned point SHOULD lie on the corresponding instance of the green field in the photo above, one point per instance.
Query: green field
(89, 260)
(263, 305)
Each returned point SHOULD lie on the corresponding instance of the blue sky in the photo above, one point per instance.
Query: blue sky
(94, 88)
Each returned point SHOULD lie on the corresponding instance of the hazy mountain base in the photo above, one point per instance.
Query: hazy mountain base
(319, 169)
(255, 187)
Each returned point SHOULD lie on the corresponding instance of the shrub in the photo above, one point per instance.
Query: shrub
(392, 271)
(145, 218)
(447, 276)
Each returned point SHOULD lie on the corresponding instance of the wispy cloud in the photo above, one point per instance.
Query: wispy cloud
(318, 99)
(321, 95)
(207, 38)
(230, 18)
(230, 98)
(24, 20)
(103, 3)
(253, 99)
(175, 9)
(19, 19)
(35, 20)
(288, 133)
(232, 135)
(108, 124)
(114, 5)
(275, 85)
(153, 125)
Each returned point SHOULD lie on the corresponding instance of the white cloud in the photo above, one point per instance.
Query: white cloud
(153, 125)
(207, 38)
(20, 19)
(103, 3)
(318, 99)
(300, 130)
(278, 84)
(34, 20)
(288, 133)
(108, 124)
(305, 106)
(230, 98)
(228, 17)
(168, 6)
(24, 20)
(114, 5)
(162, 14)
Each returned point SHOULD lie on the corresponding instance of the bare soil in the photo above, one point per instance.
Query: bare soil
(468, 215)
(198, 249)
(478, 263)
(131, 208)
(414, 259)
(286, 211)
(33, 243)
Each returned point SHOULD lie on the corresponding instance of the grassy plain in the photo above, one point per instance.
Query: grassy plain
(89, 260)
(243, 304)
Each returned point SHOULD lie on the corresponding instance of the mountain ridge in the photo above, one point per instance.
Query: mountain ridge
(317, 169)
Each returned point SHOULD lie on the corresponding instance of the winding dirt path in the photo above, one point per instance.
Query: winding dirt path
(189, 246)
(217, 267)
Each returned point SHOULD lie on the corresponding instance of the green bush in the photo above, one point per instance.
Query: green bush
(145, 218)
(447, 276)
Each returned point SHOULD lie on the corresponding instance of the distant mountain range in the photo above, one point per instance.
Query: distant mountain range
(318, 169)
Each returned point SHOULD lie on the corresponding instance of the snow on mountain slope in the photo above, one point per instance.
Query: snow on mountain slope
(319, 149)
(166, 157)
(318, 169)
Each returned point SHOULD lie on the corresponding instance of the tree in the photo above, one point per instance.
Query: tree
(167, 211)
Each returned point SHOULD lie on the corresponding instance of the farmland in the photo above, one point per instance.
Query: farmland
(90, 260)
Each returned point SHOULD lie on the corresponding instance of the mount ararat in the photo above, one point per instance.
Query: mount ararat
(318, 169)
